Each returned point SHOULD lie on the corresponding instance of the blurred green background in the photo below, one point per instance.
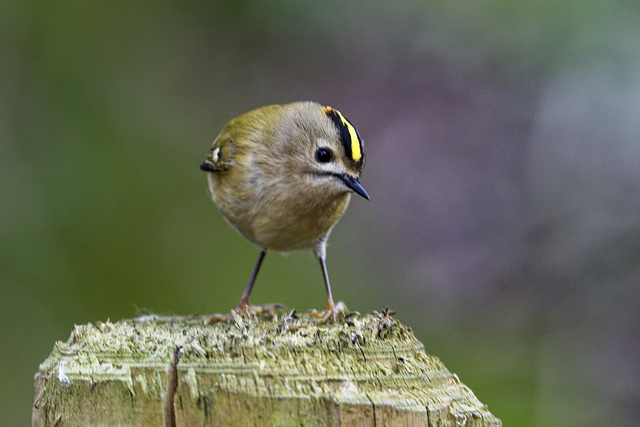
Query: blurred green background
(503, 163)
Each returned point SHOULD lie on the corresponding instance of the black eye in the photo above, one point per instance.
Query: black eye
(323, 155)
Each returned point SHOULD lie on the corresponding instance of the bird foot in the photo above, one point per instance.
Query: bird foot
(245, 310)
(331, 311)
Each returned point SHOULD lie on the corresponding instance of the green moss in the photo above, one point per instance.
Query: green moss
(283, 370)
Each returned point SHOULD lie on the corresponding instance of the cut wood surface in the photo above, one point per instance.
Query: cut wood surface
(152, 371)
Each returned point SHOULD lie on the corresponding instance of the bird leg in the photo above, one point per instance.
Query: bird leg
(331, 310)
(244, 307)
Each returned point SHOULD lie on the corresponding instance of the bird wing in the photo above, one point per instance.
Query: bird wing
(220, 156)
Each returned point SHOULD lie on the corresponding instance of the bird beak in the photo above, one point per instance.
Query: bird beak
(355, 185)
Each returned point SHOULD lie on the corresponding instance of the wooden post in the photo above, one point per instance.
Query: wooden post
(175, 371)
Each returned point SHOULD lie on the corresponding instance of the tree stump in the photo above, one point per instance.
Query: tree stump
(176, 371)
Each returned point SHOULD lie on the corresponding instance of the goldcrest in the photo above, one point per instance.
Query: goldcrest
(282, 176)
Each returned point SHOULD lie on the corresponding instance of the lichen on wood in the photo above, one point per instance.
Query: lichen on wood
(368, 370)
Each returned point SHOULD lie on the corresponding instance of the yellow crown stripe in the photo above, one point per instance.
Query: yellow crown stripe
(356, 153)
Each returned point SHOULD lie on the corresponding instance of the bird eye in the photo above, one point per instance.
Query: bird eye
(323, 155)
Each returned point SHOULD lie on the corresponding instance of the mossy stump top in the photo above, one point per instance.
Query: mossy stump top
(368, 370)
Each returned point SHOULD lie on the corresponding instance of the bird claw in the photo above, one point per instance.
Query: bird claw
(331, 311)
(246, 310)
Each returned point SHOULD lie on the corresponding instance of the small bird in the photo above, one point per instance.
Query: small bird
(282, 176)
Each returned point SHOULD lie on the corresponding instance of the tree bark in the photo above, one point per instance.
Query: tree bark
(176, 371)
